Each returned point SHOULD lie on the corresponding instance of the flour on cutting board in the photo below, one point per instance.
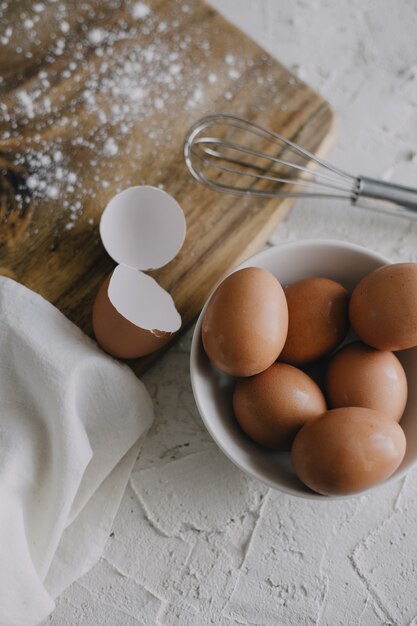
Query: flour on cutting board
(98, 81)
(140, 10)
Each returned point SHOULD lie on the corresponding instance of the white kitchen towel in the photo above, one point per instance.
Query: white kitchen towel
(71, 422)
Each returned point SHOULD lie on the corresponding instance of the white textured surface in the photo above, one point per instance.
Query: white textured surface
(197, 543)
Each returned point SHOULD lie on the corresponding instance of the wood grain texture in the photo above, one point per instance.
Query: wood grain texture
(221, 70)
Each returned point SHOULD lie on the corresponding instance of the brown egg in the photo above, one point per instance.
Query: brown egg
(318, 319)
(272, 406)
(119, 337)
(361, 376)
(383, 307)
(245, 323)
(347, 450)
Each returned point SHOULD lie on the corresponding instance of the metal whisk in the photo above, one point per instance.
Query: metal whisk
(230, 154)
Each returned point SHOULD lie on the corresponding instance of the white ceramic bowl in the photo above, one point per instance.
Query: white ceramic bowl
(341, 261)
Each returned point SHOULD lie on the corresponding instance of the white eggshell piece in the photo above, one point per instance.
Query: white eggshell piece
(143, 227)
(142, 301)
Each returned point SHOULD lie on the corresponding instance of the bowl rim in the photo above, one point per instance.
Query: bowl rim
(196, 346)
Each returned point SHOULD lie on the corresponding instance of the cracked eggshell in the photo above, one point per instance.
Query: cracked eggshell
(140, 299)
(142, 227)
(117, 335)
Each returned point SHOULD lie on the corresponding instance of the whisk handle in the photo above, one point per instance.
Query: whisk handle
(380, 190)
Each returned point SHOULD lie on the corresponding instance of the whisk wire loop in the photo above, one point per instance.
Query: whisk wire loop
(205, 141)
(206, 155)
(221, 163)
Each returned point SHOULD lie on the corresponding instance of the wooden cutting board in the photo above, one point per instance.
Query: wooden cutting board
(97, 96)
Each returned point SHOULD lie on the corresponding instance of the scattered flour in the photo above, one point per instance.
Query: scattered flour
(110, 147)
(140, 10)
(233, 74)
(113, 78)
(52, 192)
(96, 36)
(26, 102)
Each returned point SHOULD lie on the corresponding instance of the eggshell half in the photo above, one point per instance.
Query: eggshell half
(383, 307)
(119, 337)
(361, 376)
(140, 299)
(142, 227)
(347, 450)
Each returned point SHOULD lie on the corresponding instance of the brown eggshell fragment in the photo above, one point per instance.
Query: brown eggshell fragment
(318, 319)
(383, 307)
(347, 450)
(272, 406)
(362, 376)
(245, 324)
(119, 337)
